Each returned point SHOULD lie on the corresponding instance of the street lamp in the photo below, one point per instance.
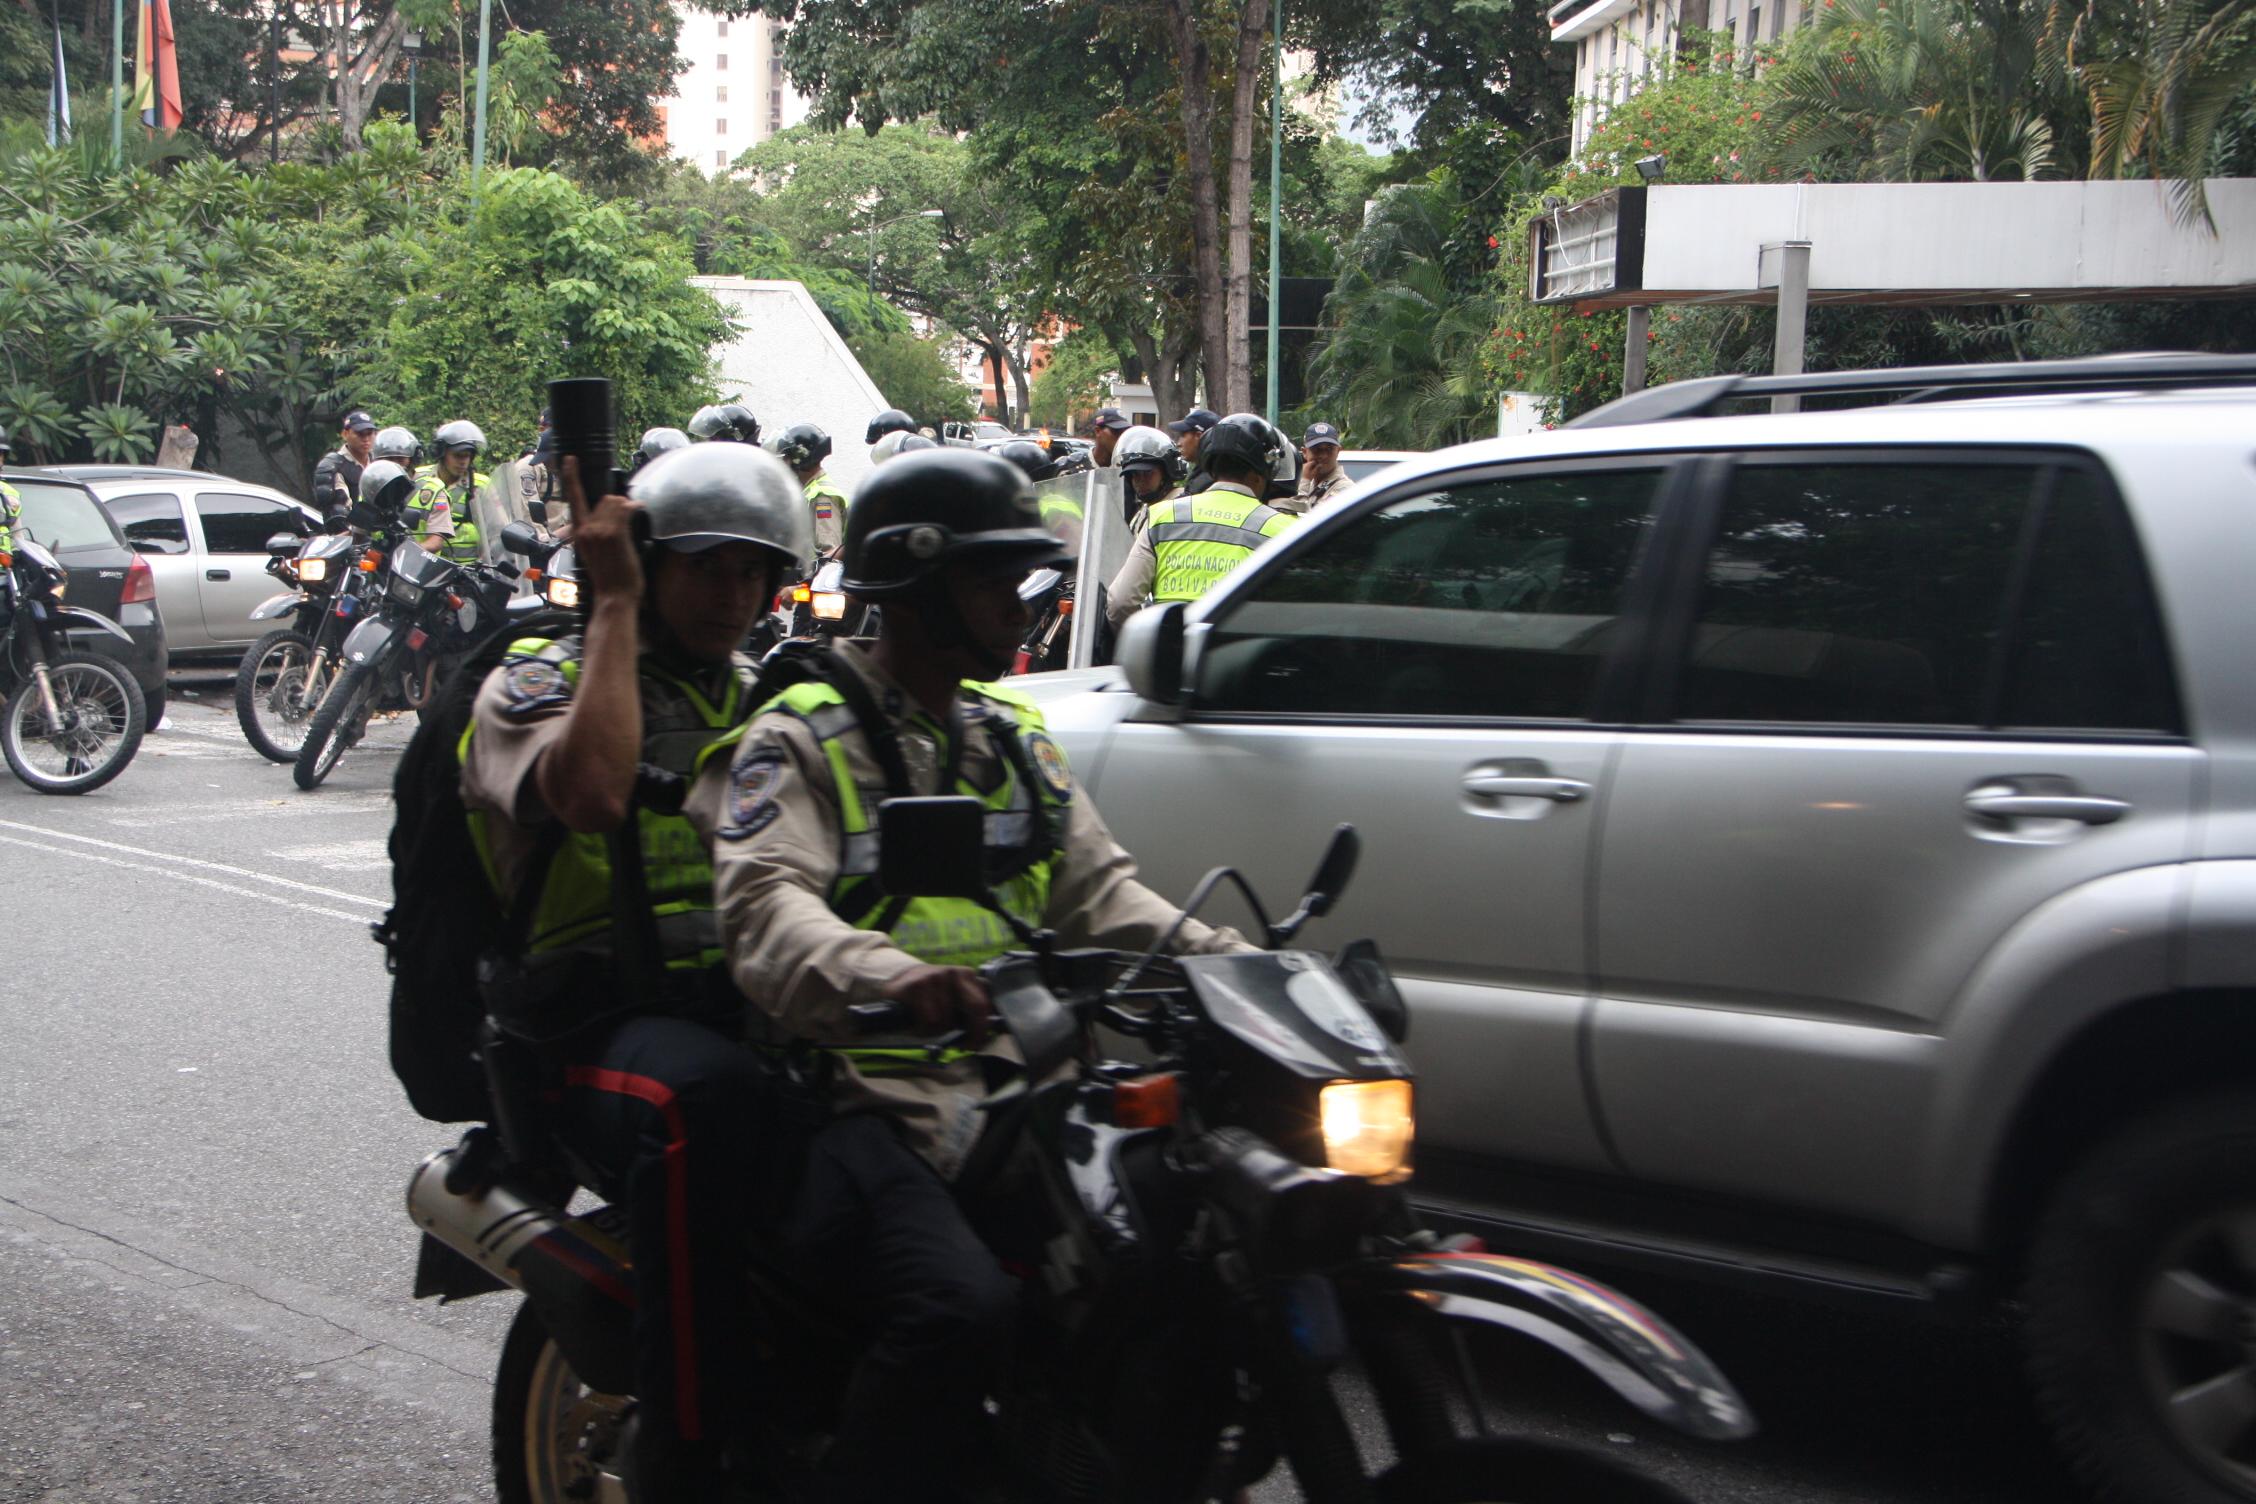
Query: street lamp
(902, 219)
(412, 45)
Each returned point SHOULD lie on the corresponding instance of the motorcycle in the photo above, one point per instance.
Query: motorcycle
(819, 608)
(281, 680)
(1205, 1236)
(1050, 595)
(72, 720)
(424, 614)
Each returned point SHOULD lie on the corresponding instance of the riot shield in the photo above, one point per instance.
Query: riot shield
(1105, 541)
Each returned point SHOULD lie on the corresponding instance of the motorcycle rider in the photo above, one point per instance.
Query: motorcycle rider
(1191, 541)
(451, 482)
(336, 475)
(665, 1103)
(943, 538)
(804, 447)
(1320, 474)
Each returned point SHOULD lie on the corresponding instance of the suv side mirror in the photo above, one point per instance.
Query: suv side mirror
(1151, 652)
(932, 847)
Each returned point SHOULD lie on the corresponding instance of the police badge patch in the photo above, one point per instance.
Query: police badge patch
(534, 684)
(751, 796)
(1050, 764)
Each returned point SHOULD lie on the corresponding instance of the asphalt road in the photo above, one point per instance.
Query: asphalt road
(204, 1265)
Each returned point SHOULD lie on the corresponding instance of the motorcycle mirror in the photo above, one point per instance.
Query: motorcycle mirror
(1365, 972)
(538, 511)
(335, 525)
(524, 538)
(364, 516)
(1324, 889)
(283, 546)
(1038, 583)
(932, 847)
(1045, 1029)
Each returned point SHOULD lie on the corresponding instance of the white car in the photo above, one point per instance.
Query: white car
(205, 539)
(1818, 849)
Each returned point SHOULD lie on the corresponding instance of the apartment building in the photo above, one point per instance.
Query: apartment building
(734, 94)
(1618, 43)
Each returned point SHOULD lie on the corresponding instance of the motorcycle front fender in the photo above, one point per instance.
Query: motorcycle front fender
(277, 605)
(86, 618)
(1633, 1352)
(369, 641)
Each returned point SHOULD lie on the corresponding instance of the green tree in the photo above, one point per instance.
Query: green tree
(915, 377)
(1073, 385)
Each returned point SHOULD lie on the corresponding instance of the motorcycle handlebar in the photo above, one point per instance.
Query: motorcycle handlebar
(880, 1018)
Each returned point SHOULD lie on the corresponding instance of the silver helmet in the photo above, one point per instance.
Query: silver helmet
(703, 495)
(657, 441)
(459, 433)
(1144, 442)
(386, 483)
(396, 443)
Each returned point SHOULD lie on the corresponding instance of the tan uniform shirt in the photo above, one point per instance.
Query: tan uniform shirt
(1131, 588)
(1309, 492)
(776, 845)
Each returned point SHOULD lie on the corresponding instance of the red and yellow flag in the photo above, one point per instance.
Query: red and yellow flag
(156, 72)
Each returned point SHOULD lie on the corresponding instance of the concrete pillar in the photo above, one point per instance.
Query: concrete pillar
(1786, 265)
(1640, 324)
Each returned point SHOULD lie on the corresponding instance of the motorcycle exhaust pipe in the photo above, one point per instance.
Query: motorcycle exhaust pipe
(576, 1275)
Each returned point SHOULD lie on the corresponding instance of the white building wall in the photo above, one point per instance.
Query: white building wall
(1619, 43)
(789, 366)
(734, 94)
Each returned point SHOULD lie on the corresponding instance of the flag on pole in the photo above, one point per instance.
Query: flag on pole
(58, 97)
(156, 89)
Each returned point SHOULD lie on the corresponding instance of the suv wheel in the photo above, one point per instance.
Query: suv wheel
(2141, 1323)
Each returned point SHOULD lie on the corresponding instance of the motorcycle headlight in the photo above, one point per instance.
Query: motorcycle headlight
(405, 590)
(1368, 1126)
(829, 607)
(313, 571)
(564, 593)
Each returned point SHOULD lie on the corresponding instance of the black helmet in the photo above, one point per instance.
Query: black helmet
(928, 509)
(700, 496)
(802, 446)
(1248, 440)
(892, 420)
(741, 423)
(1037, 462)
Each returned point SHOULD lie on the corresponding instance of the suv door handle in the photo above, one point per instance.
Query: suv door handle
(1502, 785)
(2092, 809)
(217, 574)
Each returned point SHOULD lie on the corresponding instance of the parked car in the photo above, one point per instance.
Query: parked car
(1818, 850)
(105, 575)
(1362, 464)
(205, 537)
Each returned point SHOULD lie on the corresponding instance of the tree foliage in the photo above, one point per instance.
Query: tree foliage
(915, 377)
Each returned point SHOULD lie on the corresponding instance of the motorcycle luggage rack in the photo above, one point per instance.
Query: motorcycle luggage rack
(1712, 396)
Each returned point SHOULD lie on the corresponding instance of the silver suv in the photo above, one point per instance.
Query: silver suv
(1818, 850)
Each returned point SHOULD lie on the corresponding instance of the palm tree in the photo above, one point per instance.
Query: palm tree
(2161, 77)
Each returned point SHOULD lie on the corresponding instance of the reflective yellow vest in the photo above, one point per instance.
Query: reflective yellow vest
(1198, 539)
(11, 508)
(432, 491)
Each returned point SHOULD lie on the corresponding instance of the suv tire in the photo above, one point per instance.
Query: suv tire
(2141, 1321)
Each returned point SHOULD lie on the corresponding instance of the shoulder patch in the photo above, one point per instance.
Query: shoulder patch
(533, 684)
(751, 792)
(1050, 765)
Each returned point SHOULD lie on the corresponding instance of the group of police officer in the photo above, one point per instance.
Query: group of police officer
(439, 511)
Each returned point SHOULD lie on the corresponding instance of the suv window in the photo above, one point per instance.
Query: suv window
(152, 522)
(63, 517)
(1946, 593)
(236, 524)
(1492, 598)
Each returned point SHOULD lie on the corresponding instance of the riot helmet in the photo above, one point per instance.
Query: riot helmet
(915, 441)
(386, 485)
(1146, 446)
(1251, 441)
(460, 434)
(929, 509)
(1037, 462)
(399, 445)
(700, 496)
(893, 443)
(802, 446)
(657, 441)
(892, 420)
(742, 426)
(707, 424)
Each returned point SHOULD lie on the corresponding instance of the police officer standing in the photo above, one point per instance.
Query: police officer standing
(336, 476)
(1190, 434)
(1194, 540)
(943, 538)
(804, 447)
(660, 1097)
(1320, 474)
(450, 485)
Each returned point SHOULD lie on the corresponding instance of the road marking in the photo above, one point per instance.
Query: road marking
(194, 861)
(343, 856)
(186, 877)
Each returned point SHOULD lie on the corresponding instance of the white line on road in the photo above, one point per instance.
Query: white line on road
(190, 877)
(196, 861)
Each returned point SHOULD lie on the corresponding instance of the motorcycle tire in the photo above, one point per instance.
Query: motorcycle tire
(554, 1439)
(1519, 1470)
(335, 726)
(271, 699)
(103, 719)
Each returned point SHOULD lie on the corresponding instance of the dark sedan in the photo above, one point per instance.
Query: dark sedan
(105, 576)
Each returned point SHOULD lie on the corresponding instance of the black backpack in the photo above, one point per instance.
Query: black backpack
(445, 916)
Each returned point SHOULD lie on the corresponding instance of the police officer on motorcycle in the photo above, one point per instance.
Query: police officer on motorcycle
(1191, 542)
(658, 1096)
(336, 476)
(943, 539)
(804, 447)
(451, 482)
